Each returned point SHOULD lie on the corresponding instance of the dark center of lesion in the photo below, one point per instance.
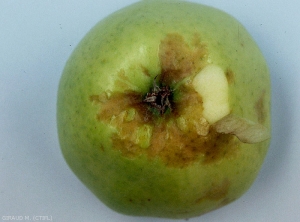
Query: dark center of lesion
(159, 98)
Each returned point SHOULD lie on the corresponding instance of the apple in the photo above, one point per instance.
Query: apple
(163, 109)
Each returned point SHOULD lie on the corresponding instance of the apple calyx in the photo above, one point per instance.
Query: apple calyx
(159, 98)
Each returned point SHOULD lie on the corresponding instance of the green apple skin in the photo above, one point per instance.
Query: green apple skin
(127, 42)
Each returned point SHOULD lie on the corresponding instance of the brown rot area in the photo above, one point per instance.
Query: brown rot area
(166, 122)
(180, 59)
(178, 148)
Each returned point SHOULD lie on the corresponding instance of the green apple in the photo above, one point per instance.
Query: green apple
(164, 109)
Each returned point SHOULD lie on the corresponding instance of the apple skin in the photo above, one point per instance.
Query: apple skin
(129, 40)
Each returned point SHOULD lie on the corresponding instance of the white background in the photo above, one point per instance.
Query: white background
(36, 39)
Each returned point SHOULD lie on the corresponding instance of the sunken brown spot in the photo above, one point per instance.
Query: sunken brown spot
(230, 76)
(260, 108)
(146, 71)
(179, 137)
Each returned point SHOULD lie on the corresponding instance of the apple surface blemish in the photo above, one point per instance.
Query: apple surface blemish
(163, 109)
(230, 76)
(260, 108)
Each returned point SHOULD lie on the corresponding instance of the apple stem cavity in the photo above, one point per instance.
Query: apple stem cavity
(159, 97)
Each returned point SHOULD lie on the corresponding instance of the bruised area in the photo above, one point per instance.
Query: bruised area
(179, 136)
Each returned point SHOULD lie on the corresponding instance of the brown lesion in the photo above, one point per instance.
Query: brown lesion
(230, 76)
(179, 59)
(145, 71)
(260, 107)
(177, 148)
(179, 137)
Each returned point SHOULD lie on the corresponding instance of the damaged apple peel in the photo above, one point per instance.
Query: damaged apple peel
(212, 85)
(246, 131)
